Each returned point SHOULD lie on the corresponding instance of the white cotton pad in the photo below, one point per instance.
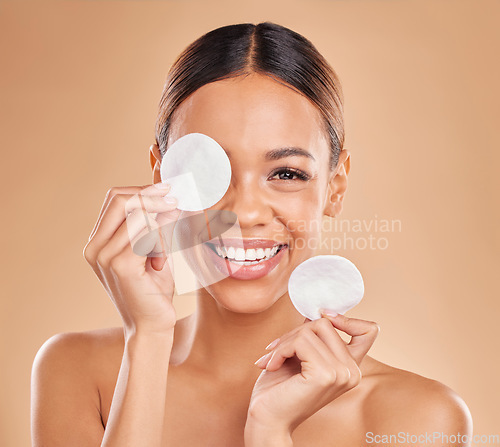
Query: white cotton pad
(325, 282)
(198, 170)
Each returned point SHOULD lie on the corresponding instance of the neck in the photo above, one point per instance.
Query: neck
(225, 344)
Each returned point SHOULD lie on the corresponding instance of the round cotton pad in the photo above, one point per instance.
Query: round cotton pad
(198, 170)
(325, 282)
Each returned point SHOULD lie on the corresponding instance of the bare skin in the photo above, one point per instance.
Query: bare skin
(211, 371)
(203, 410)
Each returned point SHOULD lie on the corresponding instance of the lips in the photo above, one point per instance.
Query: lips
(249, 258)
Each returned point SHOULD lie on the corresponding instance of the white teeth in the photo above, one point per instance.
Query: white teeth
(240, 254)
(251, 255)
(230, 252)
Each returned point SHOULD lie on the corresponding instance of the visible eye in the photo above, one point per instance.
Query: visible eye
(288, 173)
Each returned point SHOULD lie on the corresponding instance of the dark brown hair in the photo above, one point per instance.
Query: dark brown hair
(266, 48)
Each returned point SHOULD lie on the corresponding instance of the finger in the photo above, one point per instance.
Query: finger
(157, 262)
(307, 347)
(328, 343)
(109, 195)
(274, 343)
(154, 240)
(323, 328)
(166, 279)
(143, 233)
(128, 265)
(114, 216)
(363, 334)
(326, 340)
(149, 203)
(167, 221)
(140, 231)
(119, 255)
(134, 223)
(131, 190)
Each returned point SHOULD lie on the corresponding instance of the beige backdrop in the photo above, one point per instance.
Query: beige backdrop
(81, 81)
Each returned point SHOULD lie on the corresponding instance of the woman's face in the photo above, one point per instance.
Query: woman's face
(281, 186)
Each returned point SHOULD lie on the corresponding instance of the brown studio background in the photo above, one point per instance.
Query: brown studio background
(81, 81)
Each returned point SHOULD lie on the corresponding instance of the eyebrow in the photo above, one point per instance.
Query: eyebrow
(284, 152)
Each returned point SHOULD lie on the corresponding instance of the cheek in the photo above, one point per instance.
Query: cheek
(302, 205)
(305, 235)
(302, 219)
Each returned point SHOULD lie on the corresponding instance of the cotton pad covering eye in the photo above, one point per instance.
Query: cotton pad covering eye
(198, 170)
(325, 282)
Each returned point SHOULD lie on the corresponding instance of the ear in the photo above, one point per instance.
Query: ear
(155, 161)
(337, 185)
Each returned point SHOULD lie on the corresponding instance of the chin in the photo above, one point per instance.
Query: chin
(243, 297)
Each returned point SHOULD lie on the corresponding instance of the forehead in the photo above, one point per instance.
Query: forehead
(251, 113)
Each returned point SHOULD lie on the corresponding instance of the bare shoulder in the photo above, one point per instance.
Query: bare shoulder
(403, 401)
(85, 357)
(81, 347)
(65, 384)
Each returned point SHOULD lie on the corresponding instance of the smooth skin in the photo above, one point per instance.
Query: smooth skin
(317, 390)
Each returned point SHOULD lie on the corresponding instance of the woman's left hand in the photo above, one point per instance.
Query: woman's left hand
(308, 368)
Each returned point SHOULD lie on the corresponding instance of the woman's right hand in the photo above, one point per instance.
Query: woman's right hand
(141, 287)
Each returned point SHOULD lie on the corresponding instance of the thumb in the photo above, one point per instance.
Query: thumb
(157, 262)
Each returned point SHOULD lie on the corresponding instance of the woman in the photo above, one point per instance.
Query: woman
(266, 95)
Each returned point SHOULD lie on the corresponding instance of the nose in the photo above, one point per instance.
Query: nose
(248, 200)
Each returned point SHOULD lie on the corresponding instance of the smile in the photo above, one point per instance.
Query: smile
(245, 259)
(250, 256)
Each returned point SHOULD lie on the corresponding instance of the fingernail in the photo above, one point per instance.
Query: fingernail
(269, 360)
(272, 344)
(170, 199)
(263, 358)
(162, 185)
(330, 313)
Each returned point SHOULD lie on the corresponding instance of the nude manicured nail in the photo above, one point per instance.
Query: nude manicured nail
(330, 313)
(170, 199)
(261, 360)
(272, 344)
(269, 359)
(162, 185)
